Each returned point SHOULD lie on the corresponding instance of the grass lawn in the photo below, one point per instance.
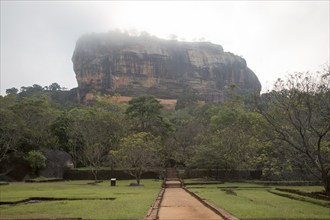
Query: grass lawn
(246, 202)
(129, 203)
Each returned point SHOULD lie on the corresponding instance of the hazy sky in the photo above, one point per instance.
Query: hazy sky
(275, 37)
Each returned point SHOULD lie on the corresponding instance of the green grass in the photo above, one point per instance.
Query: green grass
(259, 203)
(130, 202)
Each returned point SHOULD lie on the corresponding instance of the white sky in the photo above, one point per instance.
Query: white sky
(275, 37)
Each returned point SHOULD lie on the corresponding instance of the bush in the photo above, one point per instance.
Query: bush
(36, 161)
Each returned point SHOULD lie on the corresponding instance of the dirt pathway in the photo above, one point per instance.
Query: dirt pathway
(178, 204)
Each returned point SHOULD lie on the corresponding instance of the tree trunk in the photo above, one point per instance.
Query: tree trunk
(217, 173)
(138, 178)
(94, 172)
(326, 183)
(36, 172)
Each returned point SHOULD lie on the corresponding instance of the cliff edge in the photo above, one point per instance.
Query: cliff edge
(131, 66)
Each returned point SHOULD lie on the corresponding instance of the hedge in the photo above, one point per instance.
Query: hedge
(75, 174)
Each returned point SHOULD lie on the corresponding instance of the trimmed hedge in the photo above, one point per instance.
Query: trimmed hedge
(105, 175)
(222, 174)
(294, 175)
(288, 183)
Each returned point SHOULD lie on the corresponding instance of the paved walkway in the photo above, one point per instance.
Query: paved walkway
(178, 204)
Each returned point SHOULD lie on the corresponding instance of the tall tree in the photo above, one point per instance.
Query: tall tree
(54, 87)
(11, 91)
(37, 115)
(10, 132)
(230, 142)
(34, 90)
(93, 133)
(298, 110)
(137, 154)
(146, 115)
(188, 98)
(180, 145)
(60, 128)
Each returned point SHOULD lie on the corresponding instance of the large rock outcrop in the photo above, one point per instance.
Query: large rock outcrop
(118, 63)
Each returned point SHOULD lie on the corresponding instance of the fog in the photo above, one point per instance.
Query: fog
(275, 38)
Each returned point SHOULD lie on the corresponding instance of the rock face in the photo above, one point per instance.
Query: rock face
(57, 162)
(131, 66)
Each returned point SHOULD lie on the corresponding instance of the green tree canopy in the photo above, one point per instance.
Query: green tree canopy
(37, 115)
(12, 91)
(36, 161)
(298, 110)
(10, 132)
(93, 132)
(146, 115)
(188, 98)
(229, 143)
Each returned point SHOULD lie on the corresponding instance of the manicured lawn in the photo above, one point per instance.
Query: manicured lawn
(245, 202)
(129, 203)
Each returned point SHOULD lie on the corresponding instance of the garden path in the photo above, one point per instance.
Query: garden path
(179, 204)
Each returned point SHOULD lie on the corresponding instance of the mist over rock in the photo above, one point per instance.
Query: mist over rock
(114, 62)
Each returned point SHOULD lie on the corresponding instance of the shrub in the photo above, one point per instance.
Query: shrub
(36, 161)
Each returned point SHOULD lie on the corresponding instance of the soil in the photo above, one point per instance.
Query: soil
(178, 204)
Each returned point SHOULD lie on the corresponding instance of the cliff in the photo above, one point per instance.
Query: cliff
(117, 63)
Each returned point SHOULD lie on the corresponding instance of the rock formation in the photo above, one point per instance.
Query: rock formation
(57, 162)
(118, 63)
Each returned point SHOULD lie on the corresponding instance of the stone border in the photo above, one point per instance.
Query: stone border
(45, 180)
(312, 195)
(3, 183)
(300, 198)
(154, 209)
(203, 183)
(50, 219)
(223, 213)
(47, 199)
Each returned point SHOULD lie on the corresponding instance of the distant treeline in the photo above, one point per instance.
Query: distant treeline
(284, 129)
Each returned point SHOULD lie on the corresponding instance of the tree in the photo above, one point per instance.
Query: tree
(11, 91)
(230, 142)
(60, 128)
(189, 98)
(36, 161)
(145, 109)
(34, 90)
(93, 133)
(54, 87)
(180, 145)
(10, 132)
(94, 156)
(137, 154)
(145, 113)
(298, 110)
(37, 115)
